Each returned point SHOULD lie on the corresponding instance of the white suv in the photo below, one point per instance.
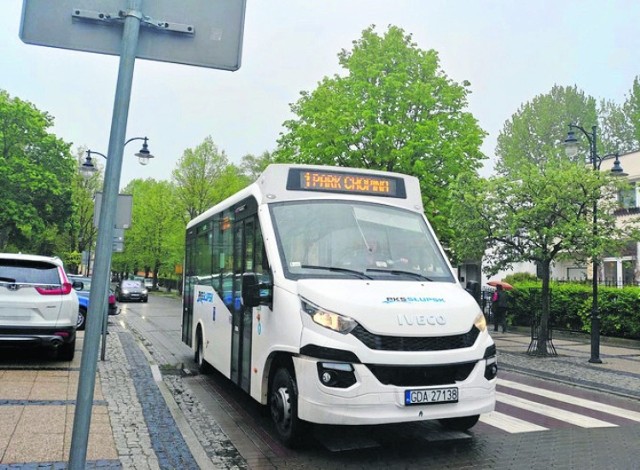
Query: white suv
(38, 305)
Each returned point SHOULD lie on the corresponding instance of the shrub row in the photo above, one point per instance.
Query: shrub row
(570, 308)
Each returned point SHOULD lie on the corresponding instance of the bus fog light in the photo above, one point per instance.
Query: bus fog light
(491, 371)
(336, 374)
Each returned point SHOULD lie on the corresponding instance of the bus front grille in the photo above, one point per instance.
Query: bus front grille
(415, 343)
(421, 376)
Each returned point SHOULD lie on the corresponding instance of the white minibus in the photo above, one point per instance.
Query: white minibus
(324, 294)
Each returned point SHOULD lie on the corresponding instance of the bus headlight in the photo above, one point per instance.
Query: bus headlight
(480, 322)
(333, 321)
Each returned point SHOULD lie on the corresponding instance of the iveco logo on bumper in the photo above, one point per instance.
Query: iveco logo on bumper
(421, 320)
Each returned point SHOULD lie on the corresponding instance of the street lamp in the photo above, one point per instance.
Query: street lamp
(87, 167)
(571, 148)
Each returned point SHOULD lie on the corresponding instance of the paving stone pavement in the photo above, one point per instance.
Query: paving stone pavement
(147, 436)
(619, 372)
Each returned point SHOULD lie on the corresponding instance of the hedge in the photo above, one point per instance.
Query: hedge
(570, 308)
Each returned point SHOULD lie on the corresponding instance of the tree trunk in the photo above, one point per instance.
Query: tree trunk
(543, 347)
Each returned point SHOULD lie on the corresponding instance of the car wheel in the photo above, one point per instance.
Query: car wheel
(459, 424)
(67, 351)
(82, 318)
(283, 403)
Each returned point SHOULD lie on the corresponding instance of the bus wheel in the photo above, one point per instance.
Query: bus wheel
(203, 366)
(459, 424)
(283, 402)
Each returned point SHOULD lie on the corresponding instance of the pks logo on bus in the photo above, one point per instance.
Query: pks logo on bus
(413, 300)
(204, 297)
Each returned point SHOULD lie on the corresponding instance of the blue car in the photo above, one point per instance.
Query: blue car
(83, 300)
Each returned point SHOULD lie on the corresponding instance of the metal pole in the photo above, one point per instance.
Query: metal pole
(98, 297)
(595, 319)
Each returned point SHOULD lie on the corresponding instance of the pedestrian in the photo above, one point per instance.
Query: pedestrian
(500, 302)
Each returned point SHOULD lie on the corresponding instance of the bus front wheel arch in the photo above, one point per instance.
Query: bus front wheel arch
(283, 406)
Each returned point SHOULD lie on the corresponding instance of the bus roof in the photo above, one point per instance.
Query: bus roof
(288, 182)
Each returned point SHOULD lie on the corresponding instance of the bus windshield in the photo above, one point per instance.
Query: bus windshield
(350, 239)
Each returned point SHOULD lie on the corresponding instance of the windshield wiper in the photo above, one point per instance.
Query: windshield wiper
(7, 279)
(400, 272)
(360, 274)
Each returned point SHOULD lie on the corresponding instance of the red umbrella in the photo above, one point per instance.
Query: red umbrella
(505, 285)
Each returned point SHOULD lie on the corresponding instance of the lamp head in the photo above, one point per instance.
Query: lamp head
(616, 169)
(571, 144)
(87, 168)
(143, 154)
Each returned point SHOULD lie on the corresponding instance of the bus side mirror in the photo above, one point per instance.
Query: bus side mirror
(254, 292)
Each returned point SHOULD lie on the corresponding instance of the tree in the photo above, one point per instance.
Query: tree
(539, 207)
(617, 133)
(155, 240)
(200, 178)
(252, 166)
(82, 232)
(394, 110)
(631, 109)
(36, 170)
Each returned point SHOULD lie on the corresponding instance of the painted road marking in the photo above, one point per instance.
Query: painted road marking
(593, 405)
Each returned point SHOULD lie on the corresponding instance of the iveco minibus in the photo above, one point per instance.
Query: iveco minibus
(324, 294)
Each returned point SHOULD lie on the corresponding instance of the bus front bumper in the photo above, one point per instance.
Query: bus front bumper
(370, 402)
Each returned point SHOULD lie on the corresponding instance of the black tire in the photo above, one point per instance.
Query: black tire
(67, 351)
(203, 366)
(82, 318)
(459, 424)
(283, 404)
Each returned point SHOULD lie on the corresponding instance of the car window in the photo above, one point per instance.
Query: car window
(131, 284)
(29, 272)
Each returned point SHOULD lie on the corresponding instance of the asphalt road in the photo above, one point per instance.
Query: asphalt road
(537, 423)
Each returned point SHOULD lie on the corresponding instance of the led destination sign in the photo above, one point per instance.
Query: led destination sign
(345, 182)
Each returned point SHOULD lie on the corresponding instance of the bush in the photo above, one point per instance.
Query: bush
(570, 307)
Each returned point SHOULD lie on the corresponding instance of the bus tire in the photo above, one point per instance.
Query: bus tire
(463, 423)
(203, 366)
(283, 404)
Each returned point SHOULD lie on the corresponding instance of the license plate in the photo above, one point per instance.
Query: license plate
(431, 395)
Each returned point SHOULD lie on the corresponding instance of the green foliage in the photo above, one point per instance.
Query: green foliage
(394, 110)
(252, 166)
(36, 171)
(570, 307)
(155, 240)
(202, 178)
(519, 278)
(631, 109)
(536, 132)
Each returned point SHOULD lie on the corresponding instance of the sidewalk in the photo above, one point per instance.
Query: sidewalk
(142, 420)
(619, 372)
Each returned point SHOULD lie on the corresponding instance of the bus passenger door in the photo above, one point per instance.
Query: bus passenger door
(244, 233)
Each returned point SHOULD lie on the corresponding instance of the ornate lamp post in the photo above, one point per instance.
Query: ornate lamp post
(144, 155)
(572, 149)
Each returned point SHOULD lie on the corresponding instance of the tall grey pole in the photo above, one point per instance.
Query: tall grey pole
(98, 296)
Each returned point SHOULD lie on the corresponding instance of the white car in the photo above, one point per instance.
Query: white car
(38, 304)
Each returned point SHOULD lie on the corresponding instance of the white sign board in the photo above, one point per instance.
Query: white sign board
(123, 211)
(206, 33)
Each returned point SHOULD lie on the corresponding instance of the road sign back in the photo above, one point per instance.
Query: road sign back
(205, 33)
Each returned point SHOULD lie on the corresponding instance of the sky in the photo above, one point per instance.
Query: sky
(509, 50)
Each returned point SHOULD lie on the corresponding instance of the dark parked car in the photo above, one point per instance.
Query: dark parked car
(129, 289)
(83, 300)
